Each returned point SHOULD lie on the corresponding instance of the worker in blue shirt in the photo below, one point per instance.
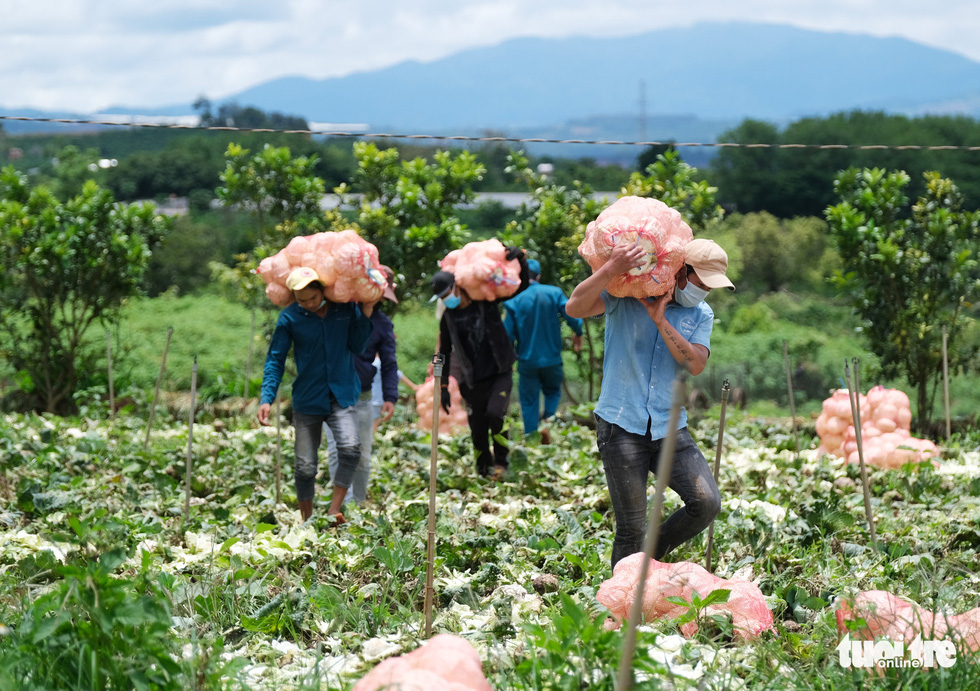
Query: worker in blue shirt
(647, 343)
(533, 322)
(325, 337)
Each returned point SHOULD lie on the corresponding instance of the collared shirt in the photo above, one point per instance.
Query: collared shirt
(324, 350)
(533, 320)
(638, 370)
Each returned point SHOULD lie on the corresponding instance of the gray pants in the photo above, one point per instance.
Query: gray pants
(364, 411)
(309, 428)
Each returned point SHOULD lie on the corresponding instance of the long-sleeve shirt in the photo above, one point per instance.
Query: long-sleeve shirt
(380, 344)
(533, 320)
(324, 350)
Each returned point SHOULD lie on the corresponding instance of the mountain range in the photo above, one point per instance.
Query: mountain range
(669, 84)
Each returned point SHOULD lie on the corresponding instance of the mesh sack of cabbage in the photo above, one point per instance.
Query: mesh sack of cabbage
(347, 265)
(450, 423)
(886, 416)
(482, 269)
(746, 603)
(445, 663)
(652, 225)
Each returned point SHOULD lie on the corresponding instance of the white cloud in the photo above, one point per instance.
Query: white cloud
(85, 55)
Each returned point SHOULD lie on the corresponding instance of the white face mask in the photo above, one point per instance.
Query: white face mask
(690, 295)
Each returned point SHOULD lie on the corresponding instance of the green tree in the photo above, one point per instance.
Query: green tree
(63, 267)
(907, 274)
(782, 254)
(408, 208)
(275, 186)
(676, 184)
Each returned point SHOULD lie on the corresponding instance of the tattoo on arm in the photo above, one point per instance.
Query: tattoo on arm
(677, 341)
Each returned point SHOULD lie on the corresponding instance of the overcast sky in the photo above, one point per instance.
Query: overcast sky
(87, 55)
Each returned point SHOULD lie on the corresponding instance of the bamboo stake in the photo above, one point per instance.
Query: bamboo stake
(248, 361)
(665, 464)
(189, 465)
(725, 388)
(792, 404)
(949, 430)
(278, 451)
(112, 393)
(430, 560)
(156, 392)
(856, 417)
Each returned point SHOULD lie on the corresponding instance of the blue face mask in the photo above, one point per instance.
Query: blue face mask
(451, 302)
(690, 295)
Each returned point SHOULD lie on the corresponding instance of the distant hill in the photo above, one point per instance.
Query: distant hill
(714, 71)
(718, 73)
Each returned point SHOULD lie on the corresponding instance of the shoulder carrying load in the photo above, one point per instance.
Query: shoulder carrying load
(649, 223)
(483, 271)
(886, 416)
(347, 265)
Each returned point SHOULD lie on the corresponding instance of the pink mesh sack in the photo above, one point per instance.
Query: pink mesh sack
(348, 267)
(482, 269)
(649, 223)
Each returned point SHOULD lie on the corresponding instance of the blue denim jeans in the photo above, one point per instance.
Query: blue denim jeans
(364, 409)
(532, 381)
(309, 429)
(628, 459)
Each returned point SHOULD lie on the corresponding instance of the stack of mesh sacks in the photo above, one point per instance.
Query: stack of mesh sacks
(347, 265)
(483, 271)
(885, 418)
(746, 603)
(652, 225)
(449, 423)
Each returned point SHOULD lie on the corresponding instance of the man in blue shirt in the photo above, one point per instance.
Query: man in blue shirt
(533, 321)
(646, 343)
(325, 337)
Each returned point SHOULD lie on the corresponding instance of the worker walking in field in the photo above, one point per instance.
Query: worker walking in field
(533, 323)
(647, 342)
(472, 333)
(325, 337)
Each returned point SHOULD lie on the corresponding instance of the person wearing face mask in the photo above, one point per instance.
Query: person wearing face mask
(646, 343)
(472, 335)
(325, 338)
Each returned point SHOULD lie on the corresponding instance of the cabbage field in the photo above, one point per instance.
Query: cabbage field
(104, 584)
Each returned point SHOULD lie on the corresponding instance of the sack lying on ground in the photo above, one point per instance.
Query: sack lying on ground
(746, 604)
(885, 419)
(445, 663)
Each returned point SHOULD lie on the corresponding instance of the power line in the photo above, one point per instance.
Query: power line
(515, 140)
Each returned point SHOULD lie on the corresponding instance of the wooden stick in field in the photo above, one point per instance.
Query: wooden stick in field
(278, 451)
(189, 465)
(792, 405)
(112, 393)
(430, 555)
(856, 417)
(725, 388)
(156, 391)
(665, 464)
(248, 361)
(949, 429)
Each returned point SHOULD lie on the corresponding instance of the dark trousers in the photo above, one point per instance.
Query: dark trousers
(628, 460)
(486, 405)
